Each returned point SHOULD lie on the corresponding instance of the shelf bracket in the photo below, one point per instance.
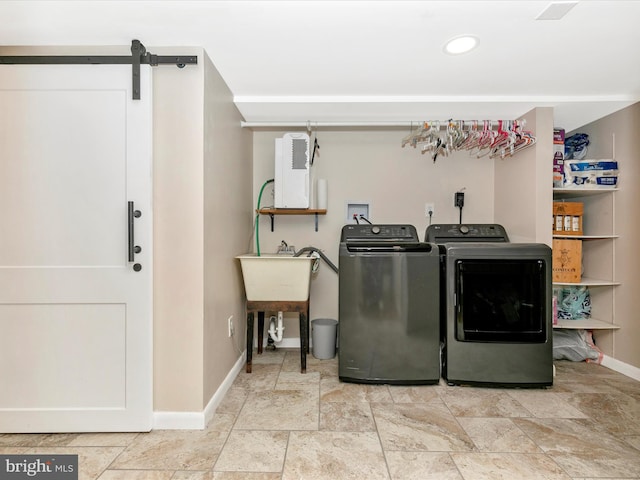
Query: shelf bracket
(272, 220)
(316, 216)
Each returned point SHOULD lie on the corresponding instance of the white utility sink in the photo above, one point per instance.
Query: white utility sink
(271, 277)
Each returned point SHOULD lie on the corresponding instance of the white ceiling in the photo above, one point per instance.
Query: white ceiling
(373, 61)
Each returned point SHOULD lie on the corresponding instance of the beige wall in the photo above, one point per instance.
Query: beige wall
(202, 195)
(624, 126)
(228, 217)
(523, 189)
(178, 234)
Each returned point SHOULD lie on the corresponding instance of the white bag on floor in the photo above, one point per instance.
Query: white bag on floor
(575, 345)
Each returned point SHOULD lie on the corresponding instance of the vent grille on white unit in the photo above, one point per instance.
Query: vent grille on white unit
(292, 171)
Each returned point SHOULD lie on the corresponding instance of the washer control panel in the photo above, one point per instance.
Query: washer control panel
(466, 232)
(376, 233)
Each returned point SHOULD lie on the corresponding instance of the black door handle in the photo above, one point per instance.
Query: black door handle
(133, 248)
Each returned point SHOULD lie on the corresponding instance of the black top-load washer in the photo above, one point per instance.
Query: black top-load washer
(496, 320)
(388, 305)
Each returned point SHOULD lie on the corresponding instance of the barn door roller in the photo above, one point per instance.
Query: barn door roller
(139, 56)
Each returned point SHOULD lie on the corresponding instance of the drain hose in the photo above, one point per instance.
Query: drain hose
(322, 255)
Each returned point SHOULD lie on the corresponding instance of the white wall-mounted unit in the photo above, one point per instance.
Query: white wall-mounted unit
(292, 171)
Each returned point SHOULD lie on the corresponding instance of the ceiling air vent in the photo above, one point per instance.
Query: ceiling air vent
(556, 10)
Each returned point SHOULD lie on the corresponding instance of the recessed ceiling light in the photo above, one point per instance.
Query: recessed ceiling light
(461, 44)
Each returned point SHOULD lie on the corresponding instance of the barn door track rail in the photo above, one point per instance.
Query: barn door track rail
(139, 56)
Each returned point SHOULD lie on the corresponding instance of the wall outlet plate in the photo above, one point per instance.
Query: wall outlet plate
(429, 209)
(230, 324)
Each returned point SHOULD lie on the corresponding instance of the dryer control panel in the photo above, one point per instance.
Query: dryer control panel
(466, 232)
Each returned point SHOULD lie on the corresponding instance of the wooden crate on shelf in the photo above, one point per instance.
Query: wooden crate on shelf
(567, 260)
(567, 218)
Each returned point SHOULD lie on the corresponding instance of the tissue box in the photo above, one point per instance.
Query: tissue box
(590, 173)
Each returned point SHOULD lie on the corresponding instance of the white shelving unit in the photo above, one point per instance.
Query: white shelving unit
(598, 255)
(586, 324)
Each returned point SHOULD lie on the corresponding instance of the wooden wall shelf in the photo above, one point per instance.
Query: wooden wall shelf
(272, 212)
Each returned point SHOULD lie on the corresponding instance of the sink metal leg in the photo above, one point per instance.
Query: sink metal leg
(304, 343)
(249, 340)
(308, 330)
(260, 331)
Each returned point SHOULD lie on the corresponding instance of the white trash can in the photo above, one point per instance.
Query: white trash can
(323, 337)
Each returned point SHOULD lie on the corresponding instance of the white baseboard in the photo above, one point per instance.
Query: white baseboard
(224, 387)
(178, 421)
(621, 367)
(198, 420)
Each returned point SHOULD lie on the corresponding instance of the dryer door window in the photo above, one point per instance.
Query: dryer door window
(501, 300)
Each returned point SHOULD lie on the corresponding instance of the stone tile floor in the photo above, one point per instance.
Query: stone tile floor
(278, 424)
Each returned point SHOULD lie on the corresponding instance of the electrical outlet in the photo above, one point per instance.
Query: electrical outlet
(231, 327)
(429, 209)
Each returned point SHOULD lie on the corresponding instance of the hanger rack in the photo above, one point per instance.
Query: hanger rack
(493, 138)
(315, 124)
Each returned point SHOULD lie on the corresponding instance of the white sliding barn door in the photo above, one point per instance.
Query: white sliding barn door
(75, 318)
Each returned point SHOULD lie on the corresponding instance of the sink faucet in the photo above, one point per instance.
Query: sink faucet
(285, 249)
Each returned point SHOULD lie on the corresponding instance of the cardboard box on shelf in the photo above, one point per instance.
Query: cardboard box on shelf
(567, 260)
(567, 218)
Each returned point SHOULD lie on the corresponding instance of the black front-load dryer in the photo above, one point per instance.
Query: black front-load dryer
(496, 319)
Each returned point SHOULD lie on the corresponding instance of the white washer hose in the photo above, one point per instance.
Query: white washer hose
(316, 263)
